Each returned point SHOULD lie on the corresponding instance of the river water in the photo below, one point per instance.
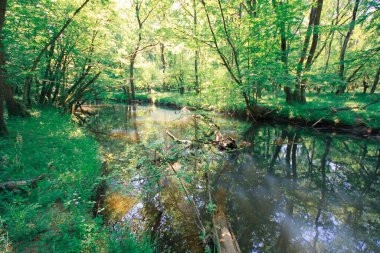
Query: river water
(285, 189)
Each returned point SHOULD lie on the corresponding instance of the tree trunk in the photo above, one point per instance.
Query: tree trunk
(163, 61)
(14, 108)
(196, 54)
(47, 78)
(315, 39)
(3, 128)
(306, 43)
(342, 87)
(131, 77)
(299, 94)
(375, 82)
(283, 39)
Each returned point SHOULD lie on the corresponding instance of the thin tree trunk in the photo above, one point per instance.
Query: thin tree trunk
(140, 23)
(28, 83)
(299, 92)
(342, 88)
(47, 78)
(315, 39)
(163, 61)
(283, 39)
(375, 81)
(131, 77)
(196, 54)
(3, 128)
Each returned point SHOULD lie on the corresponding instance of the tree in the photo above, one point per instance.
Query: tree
(29, 79)
(342, 54)
(138, 4)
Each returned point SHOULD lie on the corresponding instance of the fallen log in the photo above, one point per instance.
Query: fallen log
(227, 239)
(14, 185)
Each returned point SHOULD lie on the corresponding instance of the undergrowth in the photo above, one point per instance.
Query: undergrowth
(54, 216)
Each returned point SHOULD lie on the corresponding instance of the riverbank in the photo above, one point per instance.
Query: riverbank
(50, 169)
(352, 113)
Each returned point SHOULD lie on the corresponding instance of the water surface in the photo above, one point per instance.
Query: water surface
(286, 190)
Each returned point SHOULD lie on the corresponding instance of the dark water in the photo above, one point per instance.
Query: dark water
(288, 190)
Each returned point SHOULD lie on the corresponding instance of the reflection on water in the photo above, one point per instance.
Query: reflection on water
(290, 190)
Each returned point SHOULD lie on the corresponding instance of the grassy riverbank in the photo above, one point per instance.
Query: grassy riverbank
(351, 107)
(53, 215)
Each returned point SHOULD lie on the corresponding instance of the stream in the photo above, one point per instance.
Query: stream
(284, 189)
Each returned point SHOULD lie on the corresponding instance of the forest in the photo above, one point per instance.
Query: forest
(189, 125)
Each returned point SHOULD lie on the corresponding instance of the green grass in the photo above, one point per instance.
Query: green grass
(56, 215)
(310, 112)
(121, 96)
(314, 110)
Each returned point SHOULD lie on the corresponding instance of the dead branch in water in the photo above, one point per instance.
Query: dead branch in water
(187, 142)
(221, 142)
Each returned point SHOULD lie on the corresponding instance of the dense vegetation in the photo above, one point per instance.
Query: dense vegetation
(311, 62)
(65, 53)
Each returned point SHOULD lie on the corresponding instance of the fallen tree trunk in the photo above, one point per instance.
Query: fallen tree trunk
(14, 185)
(227, 239)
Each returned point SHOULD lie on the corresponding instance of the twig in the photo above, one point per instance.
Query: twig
(187, 142)
(316, 123)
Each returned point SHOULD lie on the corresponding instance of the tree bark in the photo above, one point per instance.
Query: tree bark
(28, 83)
(375, 81)
(342, 87)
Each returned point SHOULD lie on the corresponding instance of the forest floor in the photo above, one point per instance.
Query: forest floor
(54, 212)
(348, 110)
